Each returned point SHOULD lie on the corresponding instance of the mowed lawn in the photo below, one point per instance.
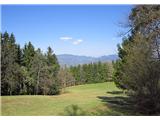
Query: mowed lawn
(88, 97)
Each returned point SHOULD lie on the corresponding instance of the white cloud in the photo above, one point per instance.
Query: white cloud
(65, 38)
(76, 42)
(71, 40)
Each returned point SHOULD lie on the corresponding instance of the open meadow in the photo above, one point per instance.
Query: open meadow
(89, 99)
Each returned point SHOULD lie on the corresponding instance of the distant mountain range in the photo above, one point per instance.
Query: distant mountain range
(68, 59)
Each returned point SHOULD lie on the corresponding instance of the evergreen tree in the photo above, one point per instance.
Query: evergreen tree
(138, 69)
(19, 55)
(9, 66)
(26, 71)
(91, 73)
(53, 68)
(28, 54)
(52, 62)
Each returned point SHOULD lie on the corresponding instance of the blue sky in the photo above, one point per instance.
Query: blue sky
(90, 30)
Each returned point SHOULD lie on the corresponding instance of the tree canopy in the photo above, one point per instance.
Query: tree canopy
(138, 69)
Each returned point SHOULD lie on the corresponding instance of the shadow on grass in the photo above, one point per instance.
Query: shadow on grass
(114, 106)
(115, 92)
(117, 105)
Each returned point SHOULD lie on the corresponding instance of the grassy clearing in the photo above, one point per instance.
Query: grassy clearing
(94, 99)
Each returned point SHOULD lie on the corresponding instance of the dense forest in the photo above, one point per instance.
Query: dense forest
(92, 73)
(27, 71)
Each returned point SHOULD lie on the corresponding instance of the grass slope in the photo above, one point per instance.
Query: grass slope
(94, 99)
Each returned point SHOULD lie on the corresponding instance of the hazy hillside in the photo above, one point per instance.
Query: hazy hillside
(69, 59)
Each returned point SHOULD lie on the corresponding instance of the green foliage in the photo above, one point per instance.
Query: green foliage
(27, 71)
(28, 54)
(91, 73)
(138, 69)
(9, 66)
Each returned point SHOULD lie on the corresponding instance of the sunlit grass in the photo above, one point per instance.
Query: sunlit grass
(85, 96)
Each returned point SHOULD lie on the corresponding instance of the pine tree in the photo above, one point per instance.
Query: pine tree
(52, 62)
(19, 55)
(9, 66)
(138, 69)
(26, 71)
(28, 54)
(53, 68)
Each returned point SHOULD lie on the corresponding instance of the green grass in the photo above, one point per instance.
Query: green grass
(94, 99)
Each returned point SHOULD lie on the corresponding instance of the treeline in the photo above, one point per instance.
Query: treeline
(91, 73)
(85, 74)
(29, 71)
(26, 71)
(138, 69)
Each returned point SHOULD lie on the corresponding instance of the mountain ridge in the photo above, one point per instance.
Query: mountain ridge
(73, 60)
